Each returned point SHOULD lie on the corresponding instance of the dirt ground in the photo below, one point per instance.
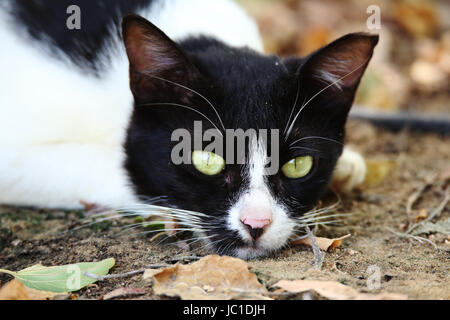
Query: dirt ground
(414, 35)
(418, 269)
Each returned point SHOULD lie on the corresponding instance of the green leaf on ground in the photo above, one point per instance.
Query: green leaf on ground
(60, 279)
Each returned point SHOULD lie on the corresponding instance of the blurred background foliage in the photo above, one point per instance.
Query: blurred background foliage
(410, 69)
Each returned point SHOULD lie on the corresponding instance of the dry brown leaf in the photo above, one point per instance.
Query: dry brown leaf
(324, 244)
(212, 277)
(418, 18)
(328, 289)
(334, 290)
(313, 39)
(382, 296)
(423, 214)
(123, 292)
(377, 171)
(15, 290)
(149, 273)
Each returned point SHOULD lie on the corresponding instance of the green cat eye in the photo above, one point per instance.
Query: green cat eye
(298, 167)
(207, 162)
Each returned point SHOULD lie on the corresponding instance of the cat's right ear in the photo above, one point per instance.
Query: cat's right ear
(156, 62)
(341, 64)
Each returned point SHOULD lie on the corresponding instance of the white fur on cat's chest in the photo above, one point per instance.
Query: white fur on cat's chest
(61, 131)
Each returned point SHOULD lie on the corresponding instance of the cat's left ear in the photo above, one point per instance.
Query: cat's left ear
(340, 65)
(156, 62)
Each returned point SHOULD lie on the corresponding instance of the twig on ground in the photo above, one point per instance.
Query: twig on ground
(131, 273)
(113, 276)
(416, 195)
(183, 258)
(158, 266)
(319, 256)
(417, 238)
(436, 212)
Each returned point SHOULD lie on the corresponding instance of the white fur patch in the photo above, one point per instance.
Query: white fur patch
(222, 19)
(62, 131)
(258, 194)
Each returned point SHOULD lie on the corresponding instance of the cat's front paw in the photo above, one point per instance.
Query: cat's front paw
(350, 171)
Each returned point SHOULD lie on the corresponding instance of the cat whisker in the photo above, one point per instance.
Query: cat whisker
(188, 242)
(318, 212)
(170, 216)
(131, 225)
(319, 218)
(127, 230)
(319, 223)
(199, 239)
(192, 220)
(88, 224)
(224, 250)
(160, 209)
(305, 148)
(314, 137)
(293, 107)
(174, 218)
(297, 237)
(208, 245)
(300, 228)
(185, 220)
(177, 230)
(149, 224)
(152, 200)
(106, 217)
(148, 200)
(193, 91)
(182, 106)
(318, 93)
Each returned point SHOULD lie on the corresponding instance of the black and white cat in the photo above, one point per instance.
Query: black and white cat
(71, 129)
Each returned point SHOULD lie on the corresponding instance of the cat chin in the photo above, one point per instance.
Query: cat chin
(248, 253)
(264, 247)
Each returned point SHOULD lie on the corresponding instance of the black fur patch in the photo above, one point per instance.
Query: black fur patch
(249, 90)
(45, 20)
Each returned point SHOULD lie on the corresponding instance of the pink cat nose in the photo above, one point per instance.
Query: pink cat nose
(255, 220)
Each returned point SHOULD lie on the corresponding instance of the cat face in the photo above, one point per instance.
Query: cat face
(238, 207)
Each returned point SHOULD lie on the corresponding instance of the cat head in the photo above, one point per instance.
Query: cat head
(291, 111)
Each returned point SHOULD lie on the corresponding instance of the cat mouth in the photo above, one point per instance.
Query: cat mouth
(245, 248)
